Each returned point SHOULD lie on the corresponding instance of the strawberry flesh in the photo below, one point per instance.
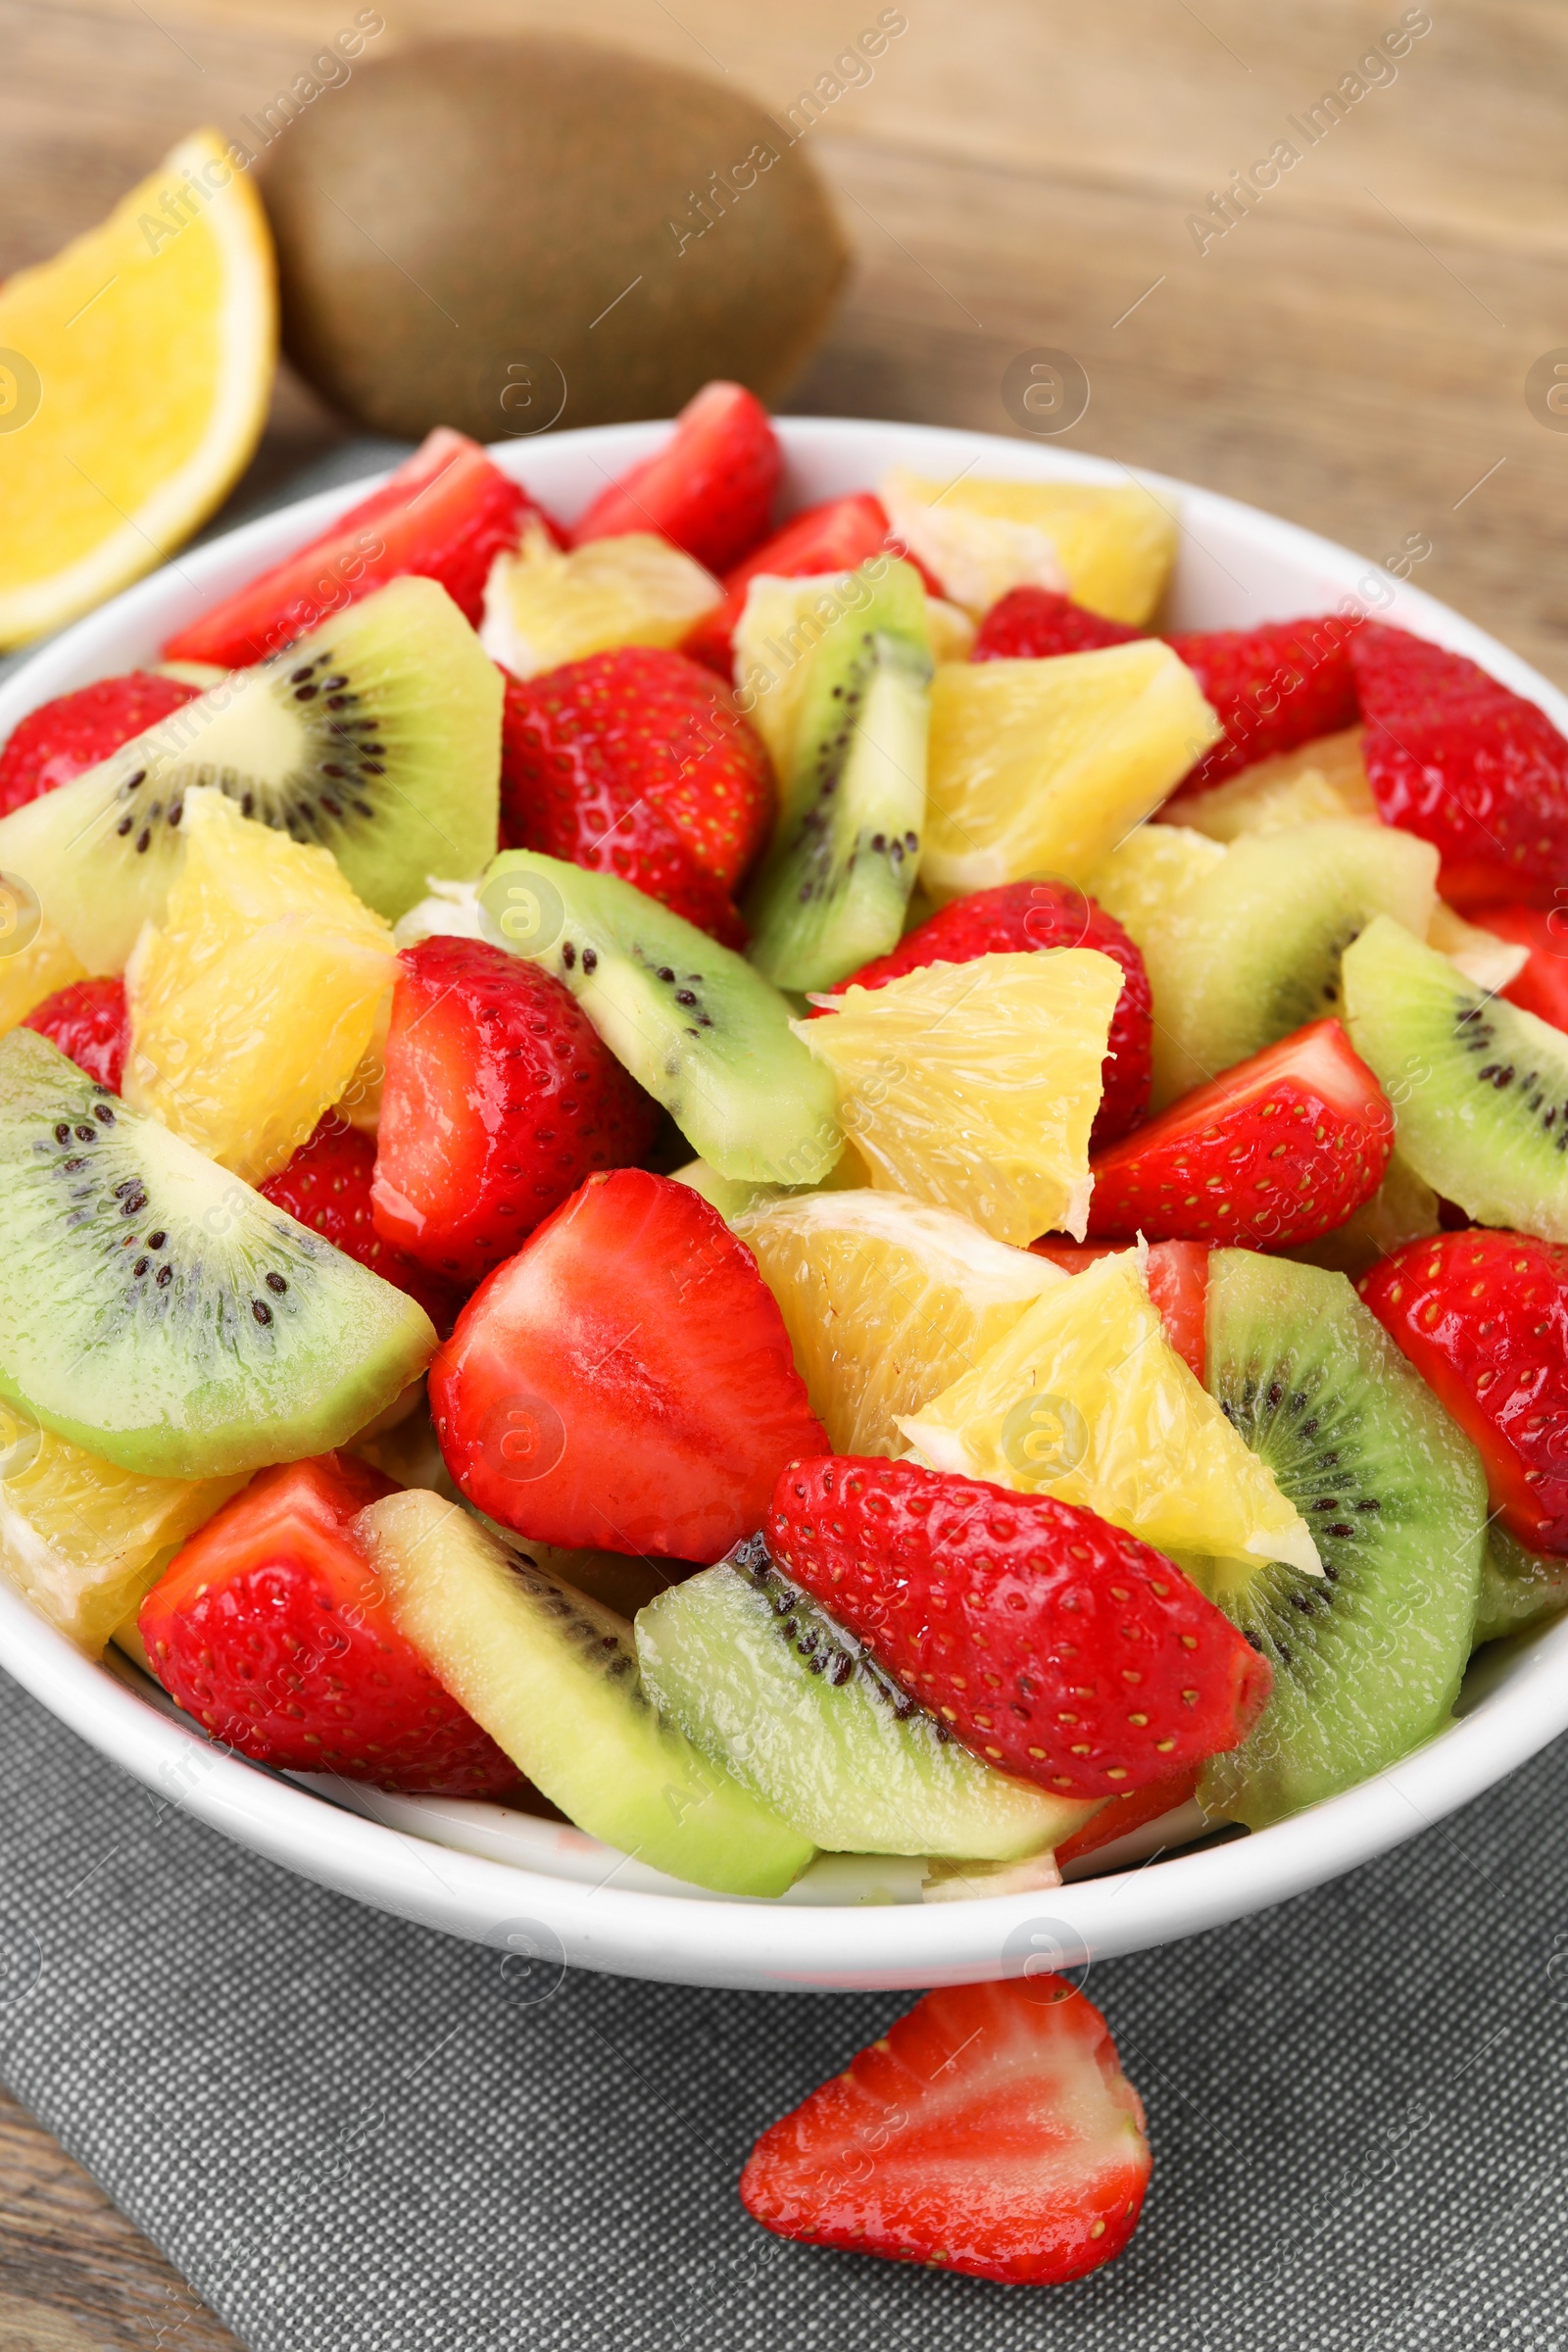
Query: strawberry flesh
(446, 513)
(1124, 1814)
(637, 763)
(500, 1096)
(1014, 918)
(1060, 1648)
(840, 535)
(327, 1186)
(1272, 689)
(990, 2131)
(626, 1381)
(710, 489)
(1279, 1150)
(1031, 624)
(1176, 1276)
(270, 1627)
(89, 1023)
(1483, 1316)
(64, 738)
(1473, 768)
(1542, 986)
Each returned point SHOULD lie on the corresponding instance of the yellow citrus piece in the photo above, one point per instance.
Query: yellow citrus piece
(253, 1002)
(975, 1085)
(34, 958)
(1481, 954)
(782, 623)
(1147, 873)
(135, 375)
(887, 1300)
(1086, 1399)
(1322, 781)
(1040, 767)
(84, 1541)
(1111, 545)
(544, 607)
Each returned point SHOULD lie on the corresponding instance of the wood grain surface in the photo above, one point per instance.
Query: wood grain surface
(1353, 353)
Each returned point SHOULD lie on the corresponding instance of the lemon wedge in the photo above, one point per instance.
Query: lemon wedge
(135, 375)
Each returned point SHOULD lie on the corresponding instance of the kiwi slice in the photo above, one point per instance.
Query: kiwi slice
(692, 1021)
(378, 738)
(1367, 1657)
(1479, 1087)
(764, 1680)
(1518, 1588)
(1252, 950)
(156, 1310)
(832, 891)
(552, 1675)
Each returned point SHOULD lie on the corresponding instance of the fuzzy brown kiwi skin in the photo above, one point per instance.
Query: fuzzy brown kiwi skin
(523, 185)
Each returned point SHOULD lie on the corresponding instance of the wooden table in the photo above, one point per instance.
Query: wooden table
(1351, 352)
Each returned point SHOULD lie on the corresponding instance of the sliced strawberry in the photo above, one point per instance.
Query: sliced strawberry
(626, 1381)
(1541, 988)
(1484, 1318)
(637, 763)
(64, 738)
(1013, 918)
(1028, 624)
(710, 489)
(89, 1022)
(839, 536)
(1272, 688)
(1279, 1150)
(1467, 764)
(990, 2131)
(1057, 1647)
(1121, 1815)
(500, 1096)
(1177, 1277)
(447, 512)
(270, 1627)
(327, 1185)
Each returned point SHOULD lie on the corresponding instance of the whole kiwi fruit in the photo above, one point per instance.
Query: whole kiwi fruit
(500, 234)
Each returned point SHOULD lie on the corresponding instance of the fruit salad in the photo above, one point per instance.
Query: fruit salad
(793, 1187)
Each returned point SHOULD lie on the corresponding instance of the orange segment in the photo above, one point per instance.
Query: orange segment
(134, 372)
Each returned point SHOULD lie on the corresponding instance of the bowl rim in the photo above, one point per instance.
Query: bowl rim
(1520, 1696)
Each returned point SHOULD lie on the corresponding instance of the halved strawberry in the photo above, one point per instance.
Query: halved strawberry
(1460, 759)
(72, 733)
(1030, 624)
(270, 1627)
(990, 2131)
(1484, 1318)
(1013, 918)
(1177, 1278)
(637, 763)
(500, 1096)
(327, 1185)
(1273, 689)
(90, 1024)
(1119, 1816)
(1058, 1647)
(1279, 1150)
(710, 489)
(447, 512)
(626, 1381)
(839, 536)
(1541, 988)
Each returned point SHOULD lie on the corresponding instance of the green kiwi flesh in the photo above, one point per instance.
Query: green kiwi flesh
(833, 889)
(552, 1675)
(378, 738)
(765, 1681)
(1479, 1087)
(1252, 950)
(156, 1310)
(1518, 1588)
(693, 1022)
(1367, 1658)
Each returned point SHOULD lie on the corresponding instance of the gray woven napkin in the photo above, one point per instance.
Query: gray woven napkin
(356, 2136)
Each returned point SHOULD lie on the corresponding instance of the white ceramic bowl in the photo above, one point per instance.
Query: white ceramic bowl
(547, 1891)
